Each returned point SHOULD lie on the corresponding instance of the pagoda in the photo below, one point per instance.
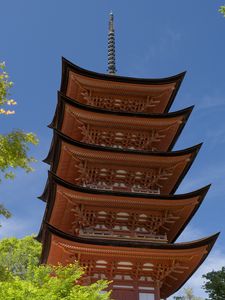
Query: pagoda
(110, 195)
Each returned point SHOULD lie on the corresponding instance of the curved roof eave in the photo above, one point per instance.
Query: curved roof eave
(53, 178)
(207, 242)
(57, 134)
(54, 153)
(66, 64)
(210, 240)
(62, 99)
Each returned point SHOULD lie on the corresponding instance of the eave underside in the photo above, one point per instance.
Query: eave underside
(148, 172)
(76, 212)
(153, 132)
(119, 93)
(169, 264)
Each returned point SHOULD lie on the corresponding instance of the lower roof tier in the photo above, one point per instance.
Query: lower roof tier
(118, 93)
(169, 265)
(93, 126)
(83, 212)
(119, 170)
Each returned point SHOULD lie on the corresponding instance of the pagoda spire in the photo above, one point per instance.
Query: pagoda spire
(111, 46)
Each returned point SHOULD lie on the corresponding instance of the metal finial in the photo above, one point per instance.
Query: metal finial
(111, 46)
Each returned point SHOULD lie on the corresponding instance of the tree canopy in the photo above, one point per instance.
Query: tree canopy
(215, 284)
(14, 146)
(222, 10)
(16, 255)
(51, 283)
(21, 277)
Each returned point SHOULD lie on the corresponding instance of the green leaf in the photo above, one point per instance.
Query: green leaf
(21, 277)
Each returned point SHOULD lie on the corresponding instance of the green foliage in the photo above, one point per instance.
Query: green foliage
(4, 212)
(17, 255)
(52, 283)
(215, 284)
(222, 10)
(5, 86)
(14, 146)
(21, 278)
(188, 295)
(13, 152)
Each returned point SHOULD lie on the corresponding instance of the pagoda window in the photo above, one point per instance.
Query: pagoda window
(122, 214)
(143, 216)
(99, 276)
(148, 267)
(101, 226)
(102, 215)
(123, 286)
(101, 264)
(146, 296)
(142, 278)
(127, 277)
(126, 263)
(118, 277)
(117, 227)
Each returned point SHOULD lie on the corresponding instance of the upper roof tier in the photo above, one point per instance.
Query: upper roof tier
(117, 93)
(119, 170)
(128, 263)
(156, 132)
(89, 213)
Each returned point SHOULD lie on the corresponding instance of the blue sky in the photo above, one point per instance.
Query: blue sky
(153, 39)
